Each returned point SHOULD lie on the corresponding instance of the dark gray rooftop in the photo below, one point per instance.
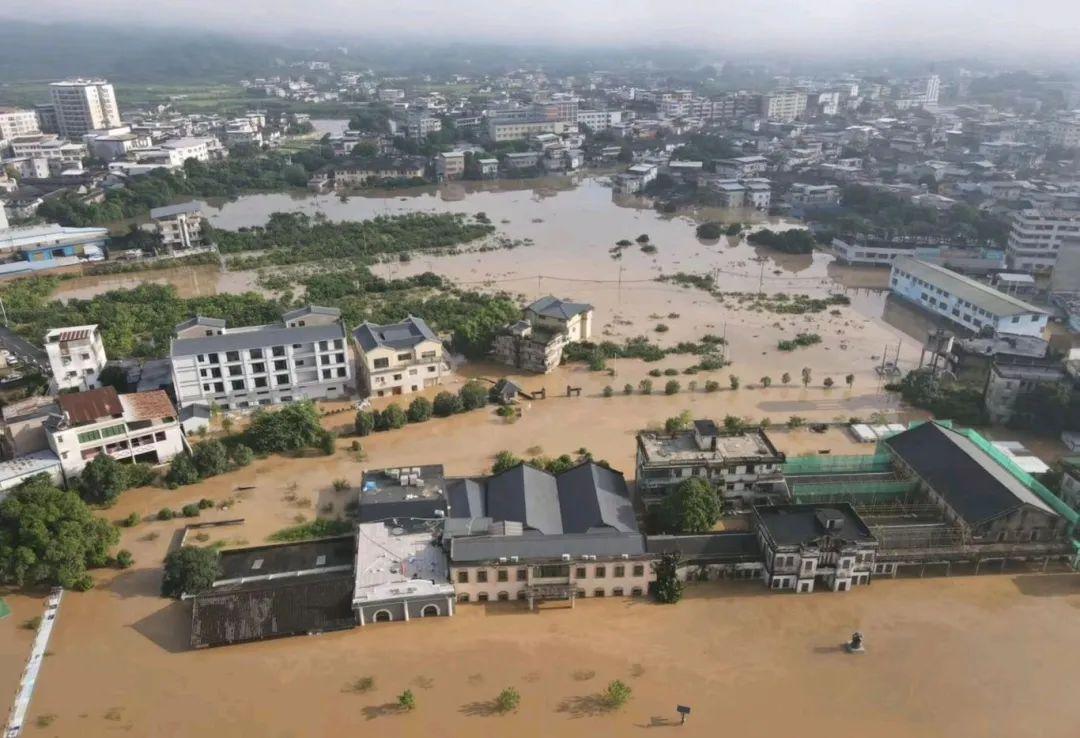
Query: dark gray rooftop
(535, 546)
(793, 525)
(706, 547)
(311, 310)
(553, 307)
(288, 557)
(274, 335)
(405, 334)
(200, 320)
(168, 211)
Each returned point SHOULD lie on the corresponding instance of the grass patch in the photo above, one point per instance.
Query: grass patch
(312, 529)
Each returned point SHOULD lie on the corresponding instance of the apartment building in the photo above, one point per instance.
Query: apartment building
(137, 427)
(449, 165)
(84, 105)
(741, 166)
(963, 301)
(55, 150)
(1007, 381)
(783, 105)
(303, 357)
(17, 122)
(803, 194)
(1036, 235)
(518, 128)
(743, 466)
(76, 356)
(804, 546)
(398, 358)
(24, 425)
(180, 226)
(526, 534)
(421, 124)
(599, 120)
(1064, 132)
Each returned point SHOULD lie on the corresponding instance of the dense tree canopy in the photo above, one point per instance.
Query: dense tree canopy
(692, 507)
(50, 536)
(190, 570)
(292, 428)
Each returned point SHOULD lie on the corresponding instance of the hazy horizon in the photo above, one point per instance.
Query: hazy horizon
(1037, 30)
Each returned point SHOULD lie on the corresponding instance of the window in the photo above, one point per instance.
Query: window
(236, 371)
(338, 343)
(258, 367)
(238, 384)
(232, 356)
(600, 572)
(481, 576)
(327, 374)
(404, 357)
(323, 345)
(620, 572)
(282, 379)
(260, 381)
(281, 365)
(89, 436)
(255, 353)
(341, 372)
(463, 577)
(381, 363)
(114, 430)
(502, 575)
(639, 570)
(340, 358)
(549, 571)
(579, 573)
(278, 351)
(522, 575)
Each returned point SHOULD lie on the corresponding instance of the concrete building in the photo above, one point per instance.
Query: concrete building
(51, 242)
(803, 195)
(783, 105)
(807, 545)
(59, 153)
(758, 193)
(24, 425)
(449, 165)
(599, 120)
(84, 105)
(14, 472)
(180, 226)
(76, 356)
(743, 466)
(536, 343)
(372, 171)
(963, 301)
(741, 166)
(17, 122)
(421, 124)
(1036, 237)
(1064, 132)
(139, 426)
(526, 534)
(519, 128)
(400, 575)
(1007, 381)
(398, 358)
(304, 357)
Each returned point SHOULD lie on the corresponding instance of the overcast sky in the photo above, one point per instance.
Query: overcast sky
(1013, 28)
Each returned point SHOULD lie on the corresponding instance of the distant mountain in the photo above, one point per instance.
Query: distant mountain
(38, 52)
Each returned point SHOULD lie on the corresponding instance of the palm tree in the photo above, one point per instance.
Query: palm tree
(766, 381)
(785, 378)
(806, 376)
(850, 379)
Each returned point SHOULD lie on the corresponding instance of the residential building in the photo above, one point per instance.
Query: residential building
(421, 124)
(180, 226)
(518, 128)
(59, 154)
(378, 169)
(489, 168)
(964, 302)
(599, 120)
(743, 466)
(730, 193)
(398, 358)
(741, 166)
(303, 357)
(76, 356)
(17, 122)
(521, 160)
(1036, 237)
(1007, 381)
(14, 472)
(526, 534)
(1070, 482)
(802, 194)
(84, 105)
(636, 178)
(449, 165)
(137, 427)
(24, 425)
(808, 545)
(1065, 132)
(883, 252)
(783, 105)
(758, 193)
(536, 343)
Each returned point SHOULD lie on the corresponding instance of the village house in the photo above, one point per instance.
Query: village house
(76, 356)
(398, 358)
(180, 227)
(536, 342)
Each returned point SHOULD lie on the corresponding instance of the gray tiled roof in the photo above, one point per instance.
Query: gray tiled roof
(553, 307)
(256, 338)
(405, 334)
(532, 547)
(311, 310)
(200, 320)
(591, 496)
(527, 495)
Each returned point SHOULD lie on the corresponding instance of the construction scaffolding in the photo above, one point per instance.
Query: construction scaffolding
(855, 491)
(829, 464)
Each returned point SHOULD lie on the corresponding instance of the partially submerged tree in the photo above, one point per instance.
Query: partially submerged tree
(190, 570)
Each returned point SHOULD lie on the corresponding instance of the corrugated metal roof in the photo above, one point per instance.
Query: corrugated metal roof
(150, 405)
(978, 294)
(92, 405)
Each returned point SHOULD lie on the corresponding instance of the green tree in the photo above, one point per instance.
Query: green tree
(473, 395)
(828, 382)
(241, 455)
(504, 460)
(850, 380)
(733, 381)
(407, 700)
(50, 536)
(292, 428)
(628, 389)
(807, 376)
(617, 694)
(113, 376)
(391, 418)
(608, 391)
(668, 589)
(182, 471)
(672, 387)
(678, 422)
(645, 386)
(508, 700)
(785, 378)
(733, 423)
(327, 443)
(711, 385)
(124, 559)
(419, 410)
(692, 507)
(190, 570)
(365, 423)
(102, 480)
(210, 458)
(447, 404)
(766, 381)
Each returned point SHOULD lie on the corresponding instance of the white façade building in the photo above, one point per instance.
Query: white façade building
(963, 301)
(76, 356)
(304, 357)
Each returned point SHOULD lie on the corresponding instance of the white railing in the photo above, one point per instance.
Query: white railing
(33, 665)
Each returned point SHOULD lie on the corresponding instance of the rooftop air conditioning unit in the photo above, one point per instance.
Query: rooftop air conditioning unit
(502, 559)
(566, 557)
(514, 559)
(626, 556)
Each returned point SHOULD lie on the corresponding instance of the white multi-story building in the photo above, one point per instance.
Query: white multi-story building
(963, 301)
(932, 89)
(76, 356)
(744, 467)
(303, 357)
(139, 427)
(783, 105)
(49, 146)
(16, 122)
(398, 358)
(599, 120)
(179, 226)
(1065, 132)
(84, 105)
(1036, 235)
